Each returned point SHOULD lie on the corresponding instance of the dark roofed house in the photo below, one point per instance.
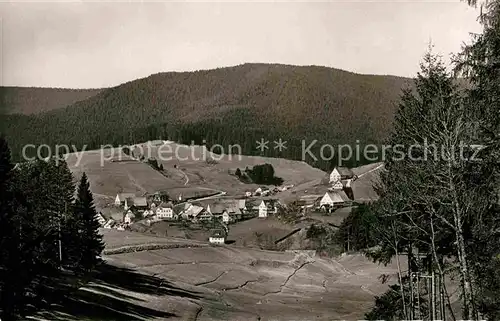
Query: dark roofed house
(140, 202)
(345, 173)
(122, 197)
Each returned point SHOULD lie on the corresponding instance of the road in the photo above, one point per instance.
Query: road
(185, 176)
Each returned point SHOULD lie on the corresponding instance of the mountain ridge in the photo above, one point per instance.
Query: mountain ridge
(238, 103)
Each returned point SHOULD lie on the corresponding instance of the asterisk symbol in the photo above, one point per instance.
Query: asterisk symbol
(280, 144)
(262, 144)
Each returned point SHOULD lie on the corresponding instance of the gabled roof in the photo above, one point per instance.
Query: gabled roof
(178, 209)
(344, 171)
(123, 196)
(234, 211)
(218, 233)
(140, 201)
(217, 208)
(337, 196)
(166, 205)
(239, 203)
(194, 210)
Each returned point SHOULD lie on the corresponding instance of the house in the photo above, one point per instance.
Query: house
(334, 176)
(165, 211)
(129, 217)
(308, 201)
(192, 212)
(226, 218)
(140, 203)
(235, 214)
(333, 199)
(337, 185)
(148, 213)
(267, 207)
(216, 209)
(203, 215)
(248, 194)
(345, 173)
(121, 198)
(217, 236)
(258, 191)
(262, 209)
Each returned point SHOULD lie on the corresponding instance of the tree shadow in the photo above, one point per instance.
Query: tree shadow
(111, 293)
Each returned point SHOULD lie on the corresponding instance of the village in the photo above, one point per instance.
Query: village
(218, 213)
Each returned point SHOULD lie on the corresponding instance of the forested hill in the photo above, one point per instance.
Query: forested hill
(27, 100)
(237, 104)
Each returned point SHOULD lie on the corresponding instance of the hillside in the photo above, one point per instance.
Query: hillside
(27, 101)
(187, 280)
(227, 105)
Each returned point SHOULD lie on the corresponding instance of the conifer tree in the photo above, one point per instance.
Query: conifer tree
(8, 238)
(90, 241)
(427, 195)
(479, 63)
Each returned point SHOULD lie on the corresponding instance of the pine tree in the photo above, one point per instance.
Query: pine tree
(8, 238)
(479, 63)
(427, 195)
(90, 241)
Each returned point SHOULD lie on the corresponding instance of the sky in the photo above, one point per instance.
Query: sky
(103, 44)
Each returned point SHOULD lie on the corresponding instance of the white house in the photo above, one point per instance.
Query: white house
(333, 199)
(334, 176)
(165, 211)
(225, 217)
(129, 217)
(122, 197)
(248, 194)
(262, 209)
(337, 185)
(217, 237)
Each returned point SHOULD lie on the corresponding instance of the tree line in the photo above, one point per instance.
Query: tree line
(46, 232)
(292, 103)
(441, 216)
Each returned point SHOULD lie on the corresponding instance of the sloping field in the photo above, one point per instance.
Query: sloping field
(109, 178)
(233, 283)
(196, 163)
(368, 175)
(194, 176)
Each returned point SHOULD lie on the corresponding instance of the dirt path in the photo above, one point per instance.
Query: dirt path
(185, 176)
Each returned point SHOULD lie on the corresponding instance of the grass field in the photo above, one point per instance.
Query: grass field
(236, 283)
(194, 162)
